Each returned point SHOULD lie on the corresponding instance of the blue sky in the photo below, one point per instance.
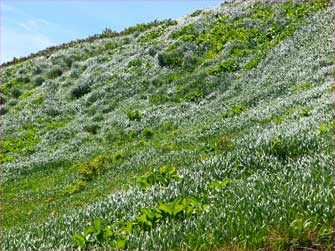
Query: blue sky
(28, 26)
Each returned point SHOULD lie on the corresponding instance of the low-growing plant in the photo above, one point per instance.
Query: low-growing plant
(305, 112)
(92, 128)
(323, 128)
(238, 108)
(170, 59)
(162, 176)
(75, 188)
(134, 115)
(196, 13)
(223, 67)
(219, 185)
(80, 90)
(147, 133)
(119, 156)
(302, 86)
(136, 63)
(224, 143)
(38, 81)
(54, 73)
(92, 168)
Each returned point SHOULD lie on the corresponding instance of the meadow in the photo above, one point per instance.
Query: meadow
(213, 131)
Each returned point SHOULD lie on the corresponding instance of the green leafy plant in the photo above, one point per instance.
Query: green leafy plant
(226, 66)
(162, 176)
(80, 90)
(90, 169)
(218, 185)
(302, 86)
(54, 73)
(134, 115)
(147, 133)
(238, 108)
(136, 63)
(170, 59)
(75, 188)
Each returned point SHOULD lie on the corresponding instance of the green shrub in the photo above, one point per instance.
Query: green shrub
(168, 126)
(134, 115)
(226, 66)
(305, 112)
(23, 145)
(38, 81)
(323, 128)
(193, 95)
(224, 143)
(136, 63)
(302, 86)
(75, 188)
(15, 92)
(278, 120)
(162, 176)
(24, 80)
(170, 59)
(238, 108)
(186, 33)
(90, 169)
(119, 156)
(147, 133)
(3, 110)
(152, 35)
(196, 13)
(158, 98)
(54, 73)
(92, 128)
(80, 90)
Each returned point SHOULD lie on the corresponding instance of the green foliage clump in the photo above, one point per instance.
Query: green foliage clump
(119, 156)
(90, 169)
(305, 112)
(187, 33)
(238, 108)
(302, 86)
(38, 81)
(323, 128)
(54, 73)
(147, 133)
(196, 13)
(224, 143)
(168, 126)
(154, 34)
(15, 92)
(162, 176)
(219, 185)
(139, 28)
(26, 95)
(80, 90)
(300, 232)
(170, 59)
(92, 128)
(23, 145)
(226, 66)
(75, 188)
(134, 115)
(7, 87)
(117, 234)
(136, 62)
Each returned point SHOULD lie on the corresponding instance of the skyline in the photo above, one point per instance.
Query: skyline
(32, 25)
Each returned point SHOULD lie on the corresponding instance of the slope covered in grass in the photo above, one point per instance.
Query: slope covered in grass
(212, 131)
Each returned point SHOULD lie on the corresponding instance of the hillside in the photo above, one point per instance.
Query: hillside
(214, 131)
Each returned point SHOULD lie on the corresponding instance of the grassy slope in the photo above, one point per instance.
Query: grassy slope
(256, 111)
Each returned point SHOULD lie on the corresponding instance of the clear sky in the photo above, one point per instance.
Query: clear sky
(28, 26)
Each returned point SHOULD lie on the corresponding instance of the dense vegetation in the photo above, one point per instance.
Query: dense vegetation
(214, 131)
